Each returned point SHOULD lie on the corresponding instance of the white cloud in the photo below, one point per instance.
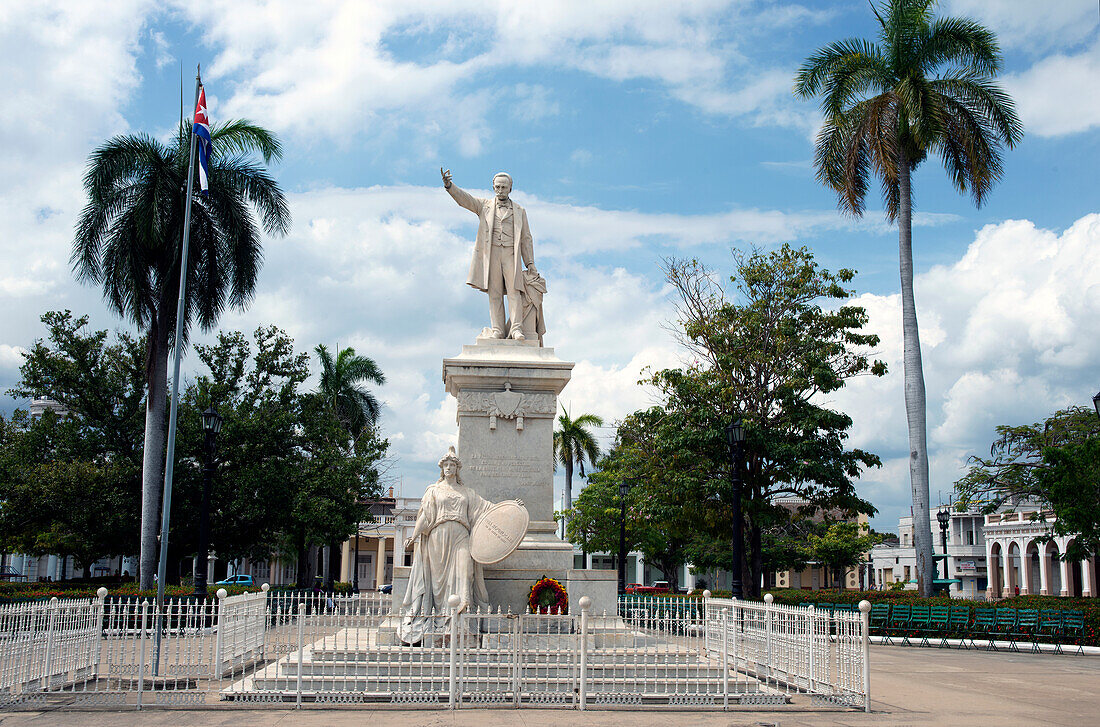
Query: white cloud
(1010, 333)
(343, 69)
(1052, 96)
(69, 69)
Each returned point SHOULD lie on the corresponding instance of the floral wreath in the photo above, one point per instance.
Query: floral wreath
(548, 596)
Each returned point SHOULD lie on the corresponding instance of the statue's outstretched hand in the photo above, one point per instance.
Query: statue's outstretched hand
(408, 543)
(520, 502)
(446, 177)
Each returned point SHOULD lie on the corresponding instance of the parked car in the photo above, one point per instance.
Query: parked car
(639, 590)
(8, 573)
(240, 580)
(388, 588)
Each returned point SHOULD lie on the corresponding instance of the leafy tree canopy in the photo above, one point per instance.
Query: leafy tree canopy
(1053, 463)
(763, 354)
(70, 482)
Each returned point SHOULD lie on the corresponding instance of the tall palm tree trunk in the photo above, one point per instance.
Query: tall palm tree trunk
(152, 468)
(915, 403)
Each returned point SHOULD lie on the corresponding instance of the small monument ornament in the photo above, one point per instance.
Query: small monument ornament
(503, 249)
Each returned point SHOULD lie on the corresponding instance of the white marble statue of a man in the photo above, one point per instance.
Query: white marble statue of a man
(501, 250)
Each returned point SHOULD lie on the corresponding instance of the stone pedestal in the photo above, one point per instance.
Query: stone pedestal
(507, 394)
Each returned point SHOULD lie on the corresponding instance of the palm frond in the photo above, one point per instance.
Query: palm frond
(240, 136)
(959, 41)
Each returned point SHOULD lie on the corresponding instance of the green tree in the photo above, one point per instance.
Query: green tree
(70, 482)
(573, 444)
(342, 388)
(926, 87)
(286, 478)
(128, 242)
(1053, 463)
(768, 357)
(842, 546)
(348, 401)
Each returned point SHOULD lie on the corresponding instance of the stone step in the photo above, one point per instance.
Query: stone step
(482, 656)
(503, 670)
(474, 684)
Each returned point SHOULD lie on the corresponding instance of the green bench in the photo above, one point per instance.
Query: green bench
(1027, 627)
(959, 624)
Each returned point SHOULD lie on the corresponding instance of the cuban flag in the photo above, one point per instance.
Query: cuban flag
(201, 129)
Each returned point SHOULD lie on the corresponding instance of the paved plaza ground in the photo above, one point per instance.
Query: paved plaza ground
(910, 686)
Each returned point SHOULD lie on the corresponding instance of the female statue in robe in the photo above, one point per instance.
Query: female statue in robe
(441, 564)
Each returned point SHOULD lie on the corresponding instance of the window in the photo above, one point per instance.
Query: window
(906, 574)
(969, 537)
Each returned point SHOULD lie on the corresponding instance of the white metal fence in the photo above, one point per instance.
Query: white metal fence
(319, 649)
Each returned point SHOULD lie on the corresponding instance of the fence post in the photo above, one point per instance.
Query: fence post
(51, 628)
(735, 611)
(301, 651)
(725, 659)
(865, 618)
(101, 627)
(585, 603)
(453, 602)
(263, 620)
(768, 599)
(219, 638)
(811, 621)
(141, 657)
(706, 623)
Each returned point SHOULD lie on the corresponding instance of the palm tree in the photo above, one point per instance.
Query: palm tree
(341, 387)
(128, 242)
(926, 87)
(354, 406)
(573, 444)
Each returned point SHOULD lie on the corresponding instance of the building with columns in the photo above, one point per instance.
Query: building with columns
(1019, 563)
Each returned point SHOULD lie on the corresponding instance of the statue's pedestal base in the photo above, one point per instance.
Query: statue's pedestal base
(509, 587)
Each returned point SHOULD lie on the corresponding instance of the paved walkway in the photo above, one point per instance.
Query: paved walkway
(909, 686)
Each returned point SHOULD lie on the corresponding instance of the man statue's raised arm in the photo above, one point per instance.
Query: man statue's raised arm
(464, 198)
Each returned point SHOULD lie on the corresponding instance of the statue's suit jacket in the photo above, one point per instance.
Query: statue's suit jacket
(486, 210)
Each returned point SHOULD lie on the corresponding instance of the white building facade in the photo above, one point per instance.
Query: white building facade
(1022, 561)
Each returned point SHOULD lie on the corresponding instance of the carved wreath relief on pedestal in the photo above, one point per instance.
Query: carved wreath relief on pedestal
(507, 404)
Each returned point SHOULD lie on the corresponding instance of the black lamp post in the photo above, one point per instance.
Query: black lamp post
(944, 518)
(735, 437)
(624, 490)
(211, 426)
(1096, 403)
(584, 547)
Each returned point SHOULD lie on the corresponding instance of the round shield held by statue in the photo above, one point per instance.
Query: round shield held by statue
(498, 532)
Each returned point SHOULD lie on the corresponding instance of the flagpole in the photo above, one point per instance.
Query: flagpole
(169, 462)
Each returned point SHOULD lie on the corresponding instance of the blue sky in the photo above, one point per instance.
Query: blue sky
(634, 131)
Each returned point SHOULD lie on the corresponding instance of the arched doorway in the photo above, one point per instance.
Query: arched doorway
(994, 571)
(1076, 576)
(1054, 569)
(1034, 573)
(1013, 569)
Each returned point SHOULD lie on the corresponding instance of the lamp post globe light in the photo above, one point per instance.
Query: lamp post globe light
(944, 518)
(624, 489)
(211, 427)
(735, 438)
